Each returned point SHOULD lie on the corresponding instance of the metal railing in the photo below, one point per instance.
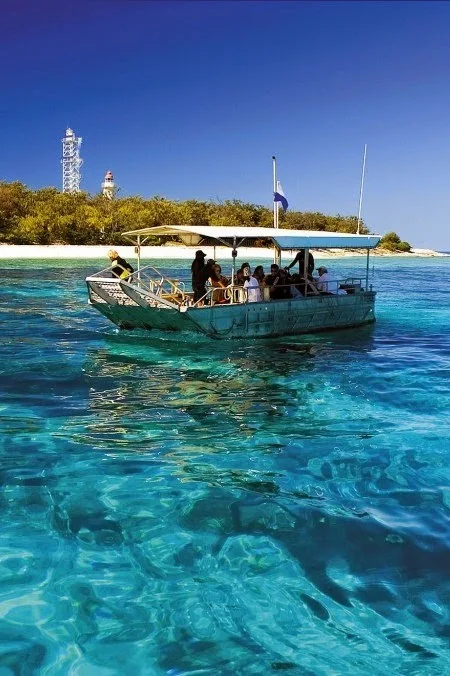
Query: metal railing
(155, 283)
(227, 295)
(151, 280)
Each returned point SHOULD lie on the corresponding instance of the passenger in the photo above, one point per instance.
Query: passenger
(217, 275)
(304, 288)
(323, 279)
(285, 284)
(258, 273)
(277, 282)
(197, 266)
(205, 274)
(120, 267)
(254, 294)
(300, 259)
(245, 267)
(295, 292)
(325, 284)
(218, 281)
(239, 278)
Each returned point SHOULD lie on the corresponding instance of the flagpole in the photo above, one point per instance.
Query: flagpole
(278, 213)
(361, 190)
(275, 204)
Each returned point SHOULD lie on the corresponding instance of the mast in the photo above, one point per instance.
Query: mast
(361, 189)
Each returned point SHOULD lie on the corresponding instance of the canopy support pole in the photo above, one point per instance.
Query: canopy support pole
(305, 270)
(277, 255)
(367, 270)
(138, 251)
(234, 254)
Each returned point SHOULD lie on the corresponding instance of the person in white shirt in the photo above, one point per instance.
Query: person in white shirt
(323, 280)
(325, 284)
(253, 290)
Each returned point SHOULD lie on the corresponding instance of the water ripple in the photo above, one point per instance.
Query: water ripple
(175, 506)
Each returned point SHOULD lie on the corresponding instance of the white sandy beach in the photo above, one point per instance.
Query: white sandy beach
(57, 251)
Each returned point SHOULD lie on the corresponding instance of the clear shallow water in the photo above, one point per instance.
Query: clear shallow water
(195, 507)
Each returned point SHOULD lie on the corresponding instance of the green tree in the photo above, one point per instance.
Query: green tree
(15, 203)
(47, 216)
(392, 242)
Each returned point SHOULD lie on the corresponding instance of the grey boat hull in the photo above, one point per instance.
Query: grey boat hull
(313, 314)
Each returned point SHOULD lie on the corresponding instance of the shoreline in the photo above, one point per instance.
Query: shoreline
(80, 252)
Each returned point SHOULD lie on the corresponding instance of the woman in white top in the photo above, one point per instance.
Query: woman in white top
(254, 294)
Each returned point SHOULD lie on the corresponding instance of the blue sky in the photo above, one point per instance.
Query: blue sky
(191, 100)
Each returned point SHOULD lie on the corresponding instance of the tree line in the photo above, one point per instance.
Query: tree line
(47, 216)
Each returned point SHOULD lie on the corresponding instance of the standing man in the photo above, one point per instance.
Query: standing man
(198, 283)
(300, 259)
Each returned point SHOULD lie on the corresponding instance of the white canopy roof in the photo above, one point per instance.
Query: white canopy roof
(282, 238)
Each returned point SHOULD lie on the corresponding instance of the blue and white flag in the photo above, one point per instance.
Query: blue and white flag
(279, 197)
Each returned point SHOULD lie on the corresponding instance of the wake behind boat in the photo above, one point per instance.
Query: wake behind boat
(148, 299)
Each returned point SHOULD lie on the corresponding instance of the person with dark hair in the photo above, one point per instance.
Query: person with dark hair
(258, 273)
(219, 282)
(246, 270)
(120, 268)
(239, 279)
(278, 283)
(300, 259)
(196, 268)
(205, 273)
(254, 294)
(304, 288)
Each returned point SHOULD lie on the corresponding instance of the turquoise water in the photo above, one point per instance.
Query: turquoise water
(177, 507)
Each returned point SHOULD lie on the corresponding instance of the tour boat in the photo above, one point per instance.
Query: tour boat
(148, 299)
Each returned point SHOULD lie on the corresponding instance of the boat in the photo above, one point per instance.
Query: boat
(148, 299)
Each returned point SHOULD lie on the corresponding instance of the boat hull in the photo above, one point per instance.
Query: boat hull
(247, 320)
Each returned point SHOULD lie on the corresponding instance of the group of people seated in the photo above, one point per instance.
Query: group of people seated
(278, 284)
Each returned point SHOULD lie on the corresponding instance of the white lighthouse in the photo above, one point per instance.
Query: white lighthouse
(108, 186)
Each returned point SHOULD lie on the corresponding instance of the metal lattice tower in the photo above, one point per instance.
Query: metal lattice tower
(71, 161)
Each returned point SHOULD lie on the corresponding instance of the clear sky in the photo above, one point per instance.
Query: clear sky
(191, 100)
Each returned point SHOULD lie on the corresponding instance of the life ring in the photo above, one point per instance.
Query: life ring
(235, 294)
(228, 293)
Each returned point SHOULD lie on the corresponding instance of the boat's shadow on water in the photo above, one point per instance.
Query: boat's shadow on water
(194, 345)
(214, 389)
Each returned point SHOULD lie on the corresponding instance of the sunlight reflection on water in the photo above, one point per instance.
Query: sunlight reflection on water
(182, 506)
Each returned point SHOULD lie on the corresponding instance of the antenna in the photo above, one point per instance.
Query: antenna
(71, 161)
(361, 190)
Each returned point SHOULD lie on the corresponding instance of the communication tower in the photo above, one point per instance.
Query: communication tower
(71, 161)
(108, 186)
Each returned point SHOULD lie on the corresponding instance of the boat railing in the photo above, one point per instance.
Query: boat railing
(237, 295)
(150, 280)
(350, 285)
(161, 289)
(227, 295)
(153, 280)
